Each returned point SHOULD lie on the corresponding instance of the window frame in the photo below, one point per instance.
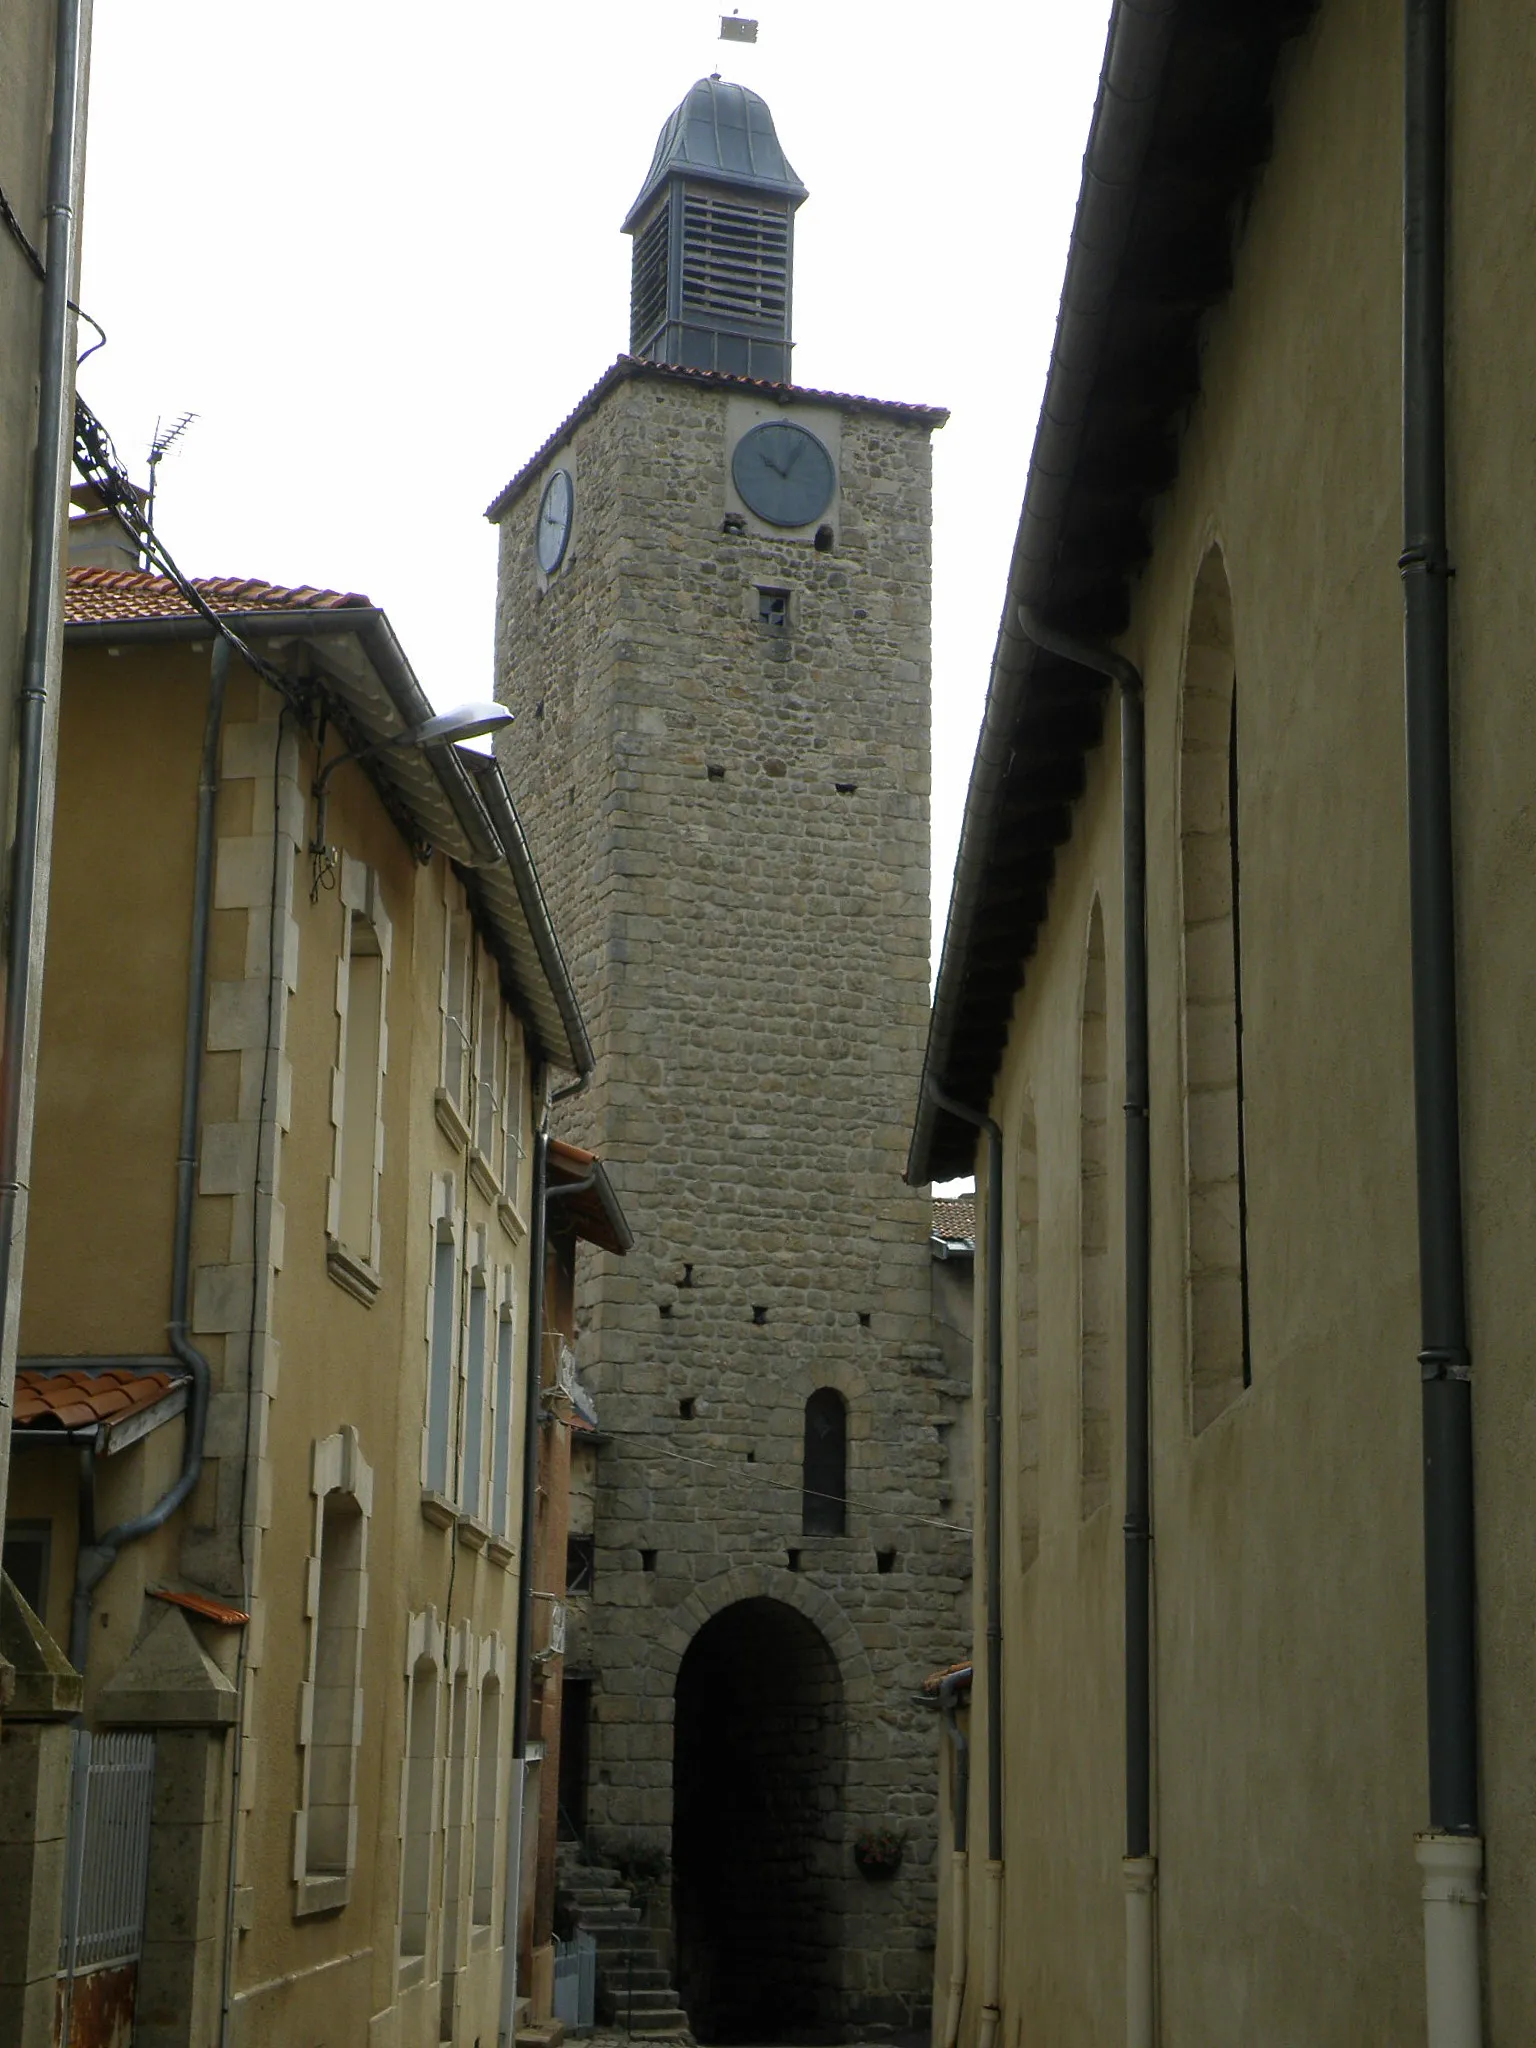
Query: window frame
(338, 1473)
(442, 1333)
(357, 1266)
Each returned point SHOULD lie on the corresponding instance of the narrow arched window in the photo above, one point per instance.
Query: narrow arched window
(825, 1505)
(1210, 872)
(419, 1817)
(1093, 1220)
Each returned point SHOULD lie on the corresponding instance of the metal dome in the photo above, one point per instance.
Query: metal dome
(724, 133)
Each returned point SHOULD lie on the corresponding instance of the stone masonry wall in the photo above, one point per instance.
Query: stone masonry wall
(750, 944)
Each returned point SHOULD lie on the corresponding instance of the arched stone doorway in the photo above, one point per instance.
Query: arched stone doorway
(758, 1767)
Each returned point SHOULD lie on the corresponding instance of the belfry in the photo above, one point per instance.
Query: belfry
(713, 622)
(714, 233)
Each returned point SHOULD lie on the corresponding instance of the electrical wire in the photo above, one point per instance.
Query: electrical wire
(776, 1485)
(39, 269)
(99, 463)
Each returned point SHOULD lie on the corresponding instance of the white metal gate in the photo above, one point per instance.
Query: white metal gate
(106, 1863)
(576, 1982)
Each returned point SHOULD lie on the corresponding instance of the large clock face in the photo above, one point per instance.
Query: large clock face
(783, 473)
(553, 531)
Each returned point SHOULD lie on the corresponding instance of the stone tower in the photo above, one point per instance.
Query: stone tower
(713, 625)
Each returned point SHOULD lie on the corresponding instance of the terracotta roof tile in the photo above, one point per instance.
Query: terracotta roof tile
(118, 595)
(202, 1604)
(678, 373)
(81, 1400)
(936, 1678)
(955, 1217)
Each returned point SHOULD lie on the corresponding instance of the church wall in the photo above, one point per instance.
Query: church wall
(750, 945)
(1289, 1669)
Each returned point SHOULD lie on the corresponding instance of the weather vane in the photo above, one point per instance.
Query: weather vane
(737, 28)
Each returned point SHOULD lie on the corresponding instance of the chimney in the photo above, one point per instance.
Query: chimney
(96, 539)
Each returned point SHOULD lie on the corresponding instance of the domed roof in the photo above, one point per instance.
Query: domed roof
(725, 133)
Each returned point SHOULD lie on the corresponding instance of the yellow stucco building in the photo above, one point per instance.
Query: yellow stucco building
(1249, 1711)
(303, 1015)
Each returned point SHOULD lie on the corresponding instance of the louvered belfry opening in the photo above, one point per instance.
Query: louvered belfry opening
(648, 283)
(735, 261)
(714, 239)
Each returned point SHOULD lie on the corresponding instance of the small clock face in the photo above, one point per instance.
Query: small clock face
(553, 531)
(783, 473)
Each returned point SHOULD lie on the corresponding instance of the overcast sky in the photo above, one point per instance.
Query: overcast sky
(375, 247)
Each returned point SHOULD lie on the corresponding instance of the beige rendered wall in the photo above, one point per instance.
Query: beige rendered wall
(325, 1362)
(110, 1072)
(1289, 1682)
(348, 1363)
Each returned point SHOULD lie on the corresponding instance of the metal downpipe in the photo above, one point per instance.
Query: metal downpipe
(522, 1678)
(1139, 1868)
(992, 1924)
(1450, 1852)
(35, 713)
(959, 1862)
(96, 1559)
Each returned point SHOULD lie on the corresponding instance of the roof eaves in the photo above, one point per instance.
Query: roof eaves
(627, 368)
(377, 690)
(1042, 713)
(510, 895)
(1134, 57)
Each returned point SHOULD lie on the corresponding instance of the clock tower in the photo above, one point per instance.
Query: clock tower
(713, 623)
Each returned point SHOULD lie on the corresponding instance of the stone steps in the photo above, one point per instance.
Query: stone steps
(634, 1990)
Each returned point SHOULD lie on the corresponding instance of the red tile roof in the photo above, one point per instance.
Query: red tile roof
(628, 367)
(936, 1678)
(955, 1217)
(202, 1604)
(80, 1400)
(117, 596)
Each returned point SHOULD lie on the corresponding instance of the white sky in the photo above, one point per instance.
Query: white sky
(375, 248)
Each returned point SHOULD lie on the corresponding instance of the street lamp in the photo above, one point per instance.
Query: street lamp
(466, 722)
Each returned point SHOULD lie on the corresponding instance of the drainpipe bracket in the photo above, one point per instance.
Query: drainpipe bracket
(1447, 1364)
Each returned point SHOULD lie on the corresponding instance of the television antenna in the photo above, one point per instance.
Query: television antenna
(165, 439)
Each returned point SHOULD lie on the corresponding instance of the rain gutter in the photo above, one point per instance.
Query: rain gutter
(513, 847)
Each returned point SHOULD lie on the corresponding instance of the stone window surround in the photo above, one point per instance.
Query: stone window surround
(447, 1227)
(488, 1062)
(455, 1098)
(478, 1275)
(425, 1648)
(444, 1506)
(337, 1465)
(503, 1328)
(490, 1795)
(864, 1522)
(354, 1267)
(498, 1172)
(452, 1654)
